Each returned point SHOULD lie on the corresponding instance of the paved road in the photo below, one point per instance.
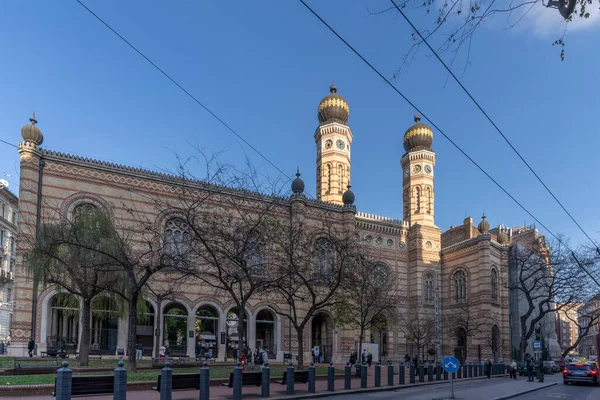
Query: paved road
(564, 392)
(467, 390)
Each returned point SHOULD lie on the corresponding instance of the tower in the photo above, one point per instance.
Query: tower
(417, 174)
(333, 138)
(23, 325)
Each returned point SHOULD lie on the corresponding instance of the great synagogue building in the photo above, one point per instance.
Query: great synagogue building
(458, 273)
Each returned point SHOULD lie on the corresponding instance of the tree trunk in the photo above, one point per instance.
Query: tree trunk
(84, 342)
(132, 332)
(360, 343)
(522, 348)
(300, 337)
(158, 327)
(240, 331)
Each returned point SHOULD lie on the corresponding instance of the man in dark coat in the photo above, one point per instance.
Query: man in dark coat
(31, 347)
(540, 371)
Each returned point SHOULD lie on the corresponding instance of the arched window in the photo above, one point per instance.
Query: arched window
(177, 239)
(495, 294)
(406, 200)
(319, 181)
(417, 200)
(459, 283)
(83, 209)
(328, 172)
(323, 259)
(254, 256)
(340, 177)
(428, 199)
(460, 351)
(495, 342)
(428, 288)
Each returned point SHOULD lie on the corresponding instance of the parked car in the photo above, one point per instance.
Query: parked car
(581, 373)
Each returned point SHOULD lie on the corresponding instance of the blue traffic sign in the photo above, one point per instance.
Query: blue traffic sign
(537, 344)
(450, 364)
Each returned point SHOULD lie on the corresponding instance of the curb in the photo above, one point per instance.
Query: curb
(527, 391)
(379, 389)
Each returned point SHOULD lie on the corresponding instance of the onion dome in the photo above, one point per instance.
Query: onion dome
(502, 237)
(418, 136)
(298, 184)
(333, 108)
(484, 226)
(348, 197)
(32, 133)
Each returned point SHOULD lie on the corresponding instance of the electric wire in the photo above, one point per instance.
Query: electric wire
(446, 136)
(166, 75)
(424, 40)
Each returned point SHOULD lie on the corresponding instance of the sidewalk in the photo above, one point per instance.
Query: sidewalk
(471, 389)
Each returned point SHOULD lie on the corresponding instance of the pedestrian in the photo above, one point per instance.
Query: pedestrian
(139, 348)
(406, 358)
(316, 354)
(540, 370)
(529, 370)
(31, 347)
(198, 351)
(369, 358)
(488, 368)
(363, 357)
(416, 362)
(235, 355)
(513, 369)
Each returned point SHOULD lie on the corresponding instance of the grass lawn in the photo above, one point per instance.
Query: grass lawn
(140, 376)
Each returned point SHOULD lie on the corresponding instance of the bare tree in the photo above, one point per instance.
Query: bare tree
(543, 280)
(369, 293)
(312, 260)
(418, 330)
(465, 320)
(587, 319)
(71, 255)
(454, 23)
(494, 340)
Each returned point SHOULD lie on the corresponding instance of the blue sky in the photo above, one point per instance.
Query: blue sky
(264, 66)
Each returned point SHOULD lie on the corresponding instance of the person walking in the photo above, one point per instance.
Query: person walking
(369, 358)
(540, 371)
(139, 348)
(363, 357)
(406, 358)
(513, 369)
(529, 370)
(31, 347)
(488, 369)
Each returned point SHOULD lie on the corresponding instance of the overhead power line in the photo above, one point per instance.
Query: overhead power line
(8, 143)
(444, 135)
(492, 122)
(166, 75)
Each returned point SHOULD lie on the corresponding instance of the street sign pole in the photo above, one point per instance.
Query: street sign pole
(451, 365)
(451, 386)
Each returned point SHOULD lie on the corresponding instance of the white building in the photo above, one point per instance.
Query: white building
(8, 231)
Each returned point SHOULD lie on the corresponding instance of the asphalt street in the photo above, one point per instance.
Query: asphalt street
(564, 392)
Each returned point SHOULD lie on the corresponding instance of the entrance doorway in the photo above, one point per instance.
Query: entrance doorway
(265, 332)
(322, 336)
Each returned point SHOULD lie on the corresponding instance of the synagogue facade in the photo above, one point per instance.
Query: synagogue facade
(455, 276)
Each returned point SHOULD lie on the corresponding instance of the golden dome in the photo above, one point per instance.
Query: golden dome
(333, 108)
(32, 133)
(418, 136)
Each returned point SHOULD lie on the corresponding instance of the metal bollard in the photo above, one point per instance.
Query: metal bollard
(430, 373)
(378, 374)
(331, 378)
(237, 382)
(348, 377)
(475, 370)
(265, 385)
(390, 374)
(120, 382)
(470, 370)
(312, 375)
(421, 373)
(459, 373)
(204, 382)
(465, 371)
(289, 389)
(480, 369)
(411, 373)
(438, 372)
(64, 382)
(166, 382)
(445, 375)
(357, 368)
(401, 374)
(363, 376)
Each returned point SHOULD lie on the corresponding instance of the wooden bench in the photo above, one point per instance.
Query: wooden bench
(248, 379)
(90, 385)
(299, 377)
(182, 381)
(35, 366)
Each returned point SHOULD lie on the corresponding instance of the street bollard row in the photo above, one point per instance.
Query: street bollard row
(64, 378)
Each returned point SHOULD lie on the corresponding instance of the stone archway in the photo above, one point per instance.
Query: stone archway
(62, 331)
(265, 332)
(175, 319)
(207, 331)
(322, 336)
(145, 329)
